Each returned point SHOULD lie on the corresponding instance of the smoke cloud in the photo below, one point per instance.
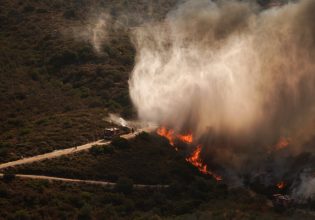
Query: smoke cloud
(230, 68)
(236, 76)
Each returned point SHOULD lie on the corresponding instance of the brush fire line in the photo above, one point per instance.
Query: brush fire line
(195, 157)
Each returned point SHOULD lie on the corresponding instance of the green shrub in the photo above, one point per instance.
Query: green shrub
(124, 185)
(120, 143)
(144, 136)
(3, 191)
(98, 150)
(28, 8)
(85, 213)
(3, 151)
(25, 131)
(8, 177)
(107, 149)
(22, 215)
(64, 58)
(34, 75)
(69, 14)
(4, 148)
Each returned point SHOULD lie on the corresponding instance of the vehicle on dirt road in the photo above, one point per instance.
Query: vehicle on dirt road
(112, 132)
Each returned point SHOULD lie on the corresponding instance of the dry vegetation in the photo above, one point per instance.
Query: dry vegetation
(55, 92)
(147, 159)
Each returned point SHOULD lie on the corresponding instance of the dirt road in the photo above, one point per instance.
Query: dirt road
(53, 154)
(67, 151)
(92, 182)
(73, 150)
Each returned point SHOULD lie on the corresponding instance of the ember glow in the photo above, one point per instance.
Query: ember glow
(196, 161)
(281, 185)
(283, 143)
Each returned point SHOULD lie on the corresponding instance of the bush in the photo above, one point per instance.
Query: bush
(108, 149)
(144, 136)
(121, 143)
(4, 193)
(101, 149)
(124, 185)
(85, 213)
(8, 177)
(28, 8)
(65, 58)
(69, 14)
(21, 215)
(4, 149)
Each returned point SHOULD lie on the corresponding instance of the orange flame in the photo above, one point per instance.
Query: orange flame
(282, 143)
(281, 185)
(196, 161)
(171, 136)
(188, 138)
(168, 134)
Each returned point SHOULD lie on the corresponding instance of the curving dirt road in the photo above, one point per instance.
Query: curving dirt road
(73, 150)
(93, 182)
(67, 151)
(53, 154)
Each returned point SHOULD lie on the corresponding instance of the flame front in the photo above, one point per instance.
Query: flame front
(168, 134)
(195, 158)
(196, 161)
(171, 136)
(188, 138)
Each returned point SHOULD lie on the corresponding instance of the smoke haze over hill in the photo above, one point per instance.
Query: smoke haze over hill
(236, 76)
(228, 67)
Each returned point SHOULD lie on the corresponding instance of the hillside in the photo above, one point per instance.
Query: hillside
(55, 87)
(144, 160)
(62, 72)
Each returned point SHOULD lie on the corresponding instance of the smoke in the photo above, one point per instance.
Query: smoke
(306, 189)
(116, 119)
(135, 124)
(100, 31)
(228, 67)
(95, 31)
(237, 76)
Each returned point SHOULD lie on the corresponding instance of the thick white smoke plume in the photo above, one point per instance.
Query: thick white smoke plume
(236, 76)
(230, 68)
(116, 119)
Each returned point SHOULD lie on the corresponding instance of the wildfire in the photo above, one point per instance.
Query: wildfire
(171, 136)
(196, 161)
(188, 138)
(168, 134)
(282, 143)
(281, 185)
